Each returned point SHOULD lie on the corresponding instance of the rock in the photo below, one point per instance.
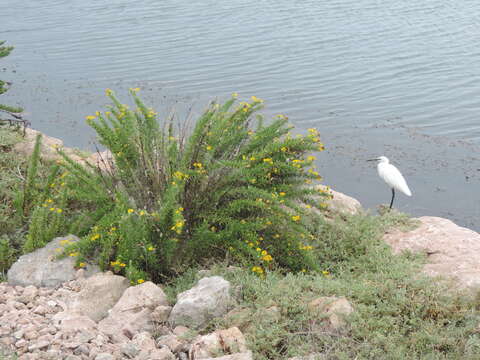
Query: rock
(102, 160)
(238, 356)
(47, 149)
(161, 313)
(130, 350)
(41, 268)
(453, 251)
(210, 298)
(172, 342)
(82, 349)
(133, 311)
(104, 356)
(99, 294)
(220, 342)
(72, 322)
(146, 295)
(181, 330)
(144, 341)
(331, 310)
(29, 294)
(38, 345)
(339, 203)
(161, 354)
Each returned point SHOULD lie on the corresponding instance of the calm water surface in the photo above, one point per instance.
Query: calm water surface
(399, 78)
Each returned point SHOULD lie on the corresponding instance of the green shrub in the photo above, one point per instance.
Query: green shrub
(234, 188)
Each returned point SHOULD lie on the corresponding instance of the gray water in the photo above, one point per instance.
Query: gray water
(394, 78)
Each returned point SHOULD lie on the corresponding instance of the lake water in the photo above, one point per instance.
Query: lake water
(394, 78)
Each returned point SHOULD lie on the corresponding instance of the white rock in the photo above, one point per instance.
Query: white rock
(133, 311)
(210, 298)
(99, 294)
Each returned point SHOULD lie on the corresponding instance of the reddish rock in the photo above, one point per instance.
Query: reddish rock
(453, 251)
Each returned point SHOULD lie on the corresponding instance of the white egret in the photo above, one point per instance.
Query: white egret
(392, 176)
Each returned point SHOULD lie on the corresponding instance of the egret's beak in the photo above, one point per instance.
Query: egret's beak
(373, 159)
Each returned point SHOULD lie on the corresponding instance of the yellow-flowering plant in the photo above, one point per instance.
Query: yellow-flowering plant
(235, 188)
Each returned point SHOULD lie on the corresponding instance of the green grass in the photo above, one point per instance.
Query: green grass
(11, 227)
(399, 314)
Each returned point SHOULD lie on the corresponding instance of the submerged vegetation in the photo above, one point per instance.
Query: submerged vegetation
(233, 190)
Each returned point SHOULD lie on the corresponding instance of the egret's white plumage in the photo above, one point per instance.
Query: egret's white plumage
(392, 176)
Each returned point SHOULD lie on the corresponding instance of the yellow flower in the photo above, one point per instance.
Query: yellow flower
(282, 193)
(258, 249)
(267, 258)
(197, 165)
(82, 264)
(122, 265)
(264, 252)
(130, 211)
(253, 181)
(52, 209)
(140, 281)
(256, 100)
(113, 228)
(276, 236)
(90, 117)
(296, 218)
(257, 269)
(94, 237)
(325, 272)
(209, 147)
(311, 158)
(134, 89)
(283, 148)
(141, 213)
(234, 95)
(268, 160)
(108, 92)
(59, 211)
(150, 248)
(73, 254)
(49, 201)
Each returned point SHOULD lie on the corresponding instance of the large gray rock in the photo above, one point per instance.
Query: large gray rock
(98, 295)
(133, 311)
(453, 251)
(209, 299)
(41, 268)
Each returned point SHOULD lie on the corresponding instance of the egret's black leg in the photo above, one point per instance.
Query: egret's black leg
(393, 197)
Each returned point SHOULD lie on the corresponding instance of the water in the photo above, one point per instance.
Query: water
(398, 78)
